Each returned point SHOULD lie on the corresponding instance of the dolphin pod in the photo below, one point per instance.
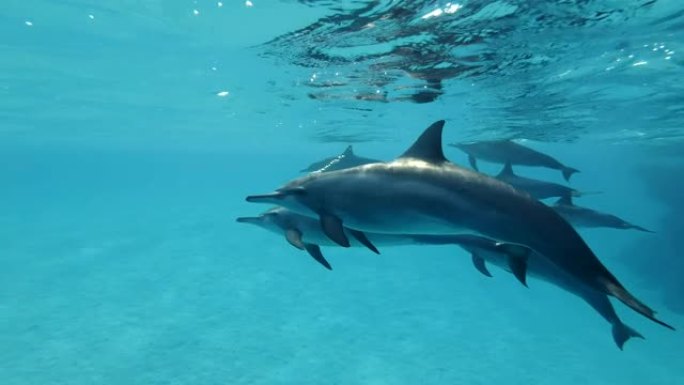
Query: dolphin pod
(423, 194)
(305, 233)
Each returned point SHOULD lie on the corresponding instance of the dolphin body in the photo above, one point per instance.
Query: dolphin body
(346, 159)
(538, 189)
(305, 233)
(584, 217)
(507, 151)
(422, 193)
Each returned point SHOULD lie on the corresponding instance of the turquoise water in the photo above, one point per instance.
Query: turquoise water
(131, 133)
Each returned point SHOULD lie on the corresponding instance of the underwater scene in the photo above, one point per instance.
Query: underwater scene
(342, 192)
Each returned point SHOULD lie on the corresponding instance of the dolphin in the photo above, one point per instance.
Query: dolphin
(346, 159)
(421, 192)
(584, 217)
(306, 233)
(538, 189)
(508, 151)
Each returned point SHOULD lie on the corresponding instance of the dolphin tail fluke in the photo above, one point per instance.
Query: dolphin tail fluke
(568, 171)
(628, 299)
(622, 333)
(361, 237)
(473, 162)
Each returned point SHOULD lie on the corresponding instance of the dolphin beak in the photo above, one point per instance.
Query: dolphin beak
(252, 220)
(265, 198)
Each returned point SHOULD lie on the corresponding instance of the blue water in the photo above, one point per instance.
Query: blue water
(131, 132)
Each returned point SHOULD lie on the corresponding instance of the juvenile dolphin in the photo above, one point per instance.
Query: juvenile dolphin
(538, 189)
(305, 232)
(422, 193)
(507, 151)
(346, 159)
(584, 217)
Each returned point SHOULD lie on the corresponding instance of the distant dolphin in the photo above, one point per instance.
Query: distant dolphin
(507, 151)
(584, 217)
(346, 159)
(423, 193)
(538, 189)
(305, 233)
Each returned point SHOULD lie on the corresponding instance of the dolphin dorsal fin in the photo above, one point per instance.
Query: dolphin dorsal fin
(507, 170)
(565, 200)
(428, 146)
(348, 151)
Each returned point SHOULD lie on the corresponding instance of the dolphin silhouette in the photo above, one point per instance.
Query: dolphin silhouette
(585, 217)
(508, 151)
(538, 189)
(346, 159)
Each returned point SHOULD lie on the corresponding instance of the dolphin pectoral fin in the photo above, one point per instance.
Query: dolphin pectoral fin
(332, 227)
(622, 333)
(480, 265)
(315, 252)
(294, 237)
(473, 162)
(517, 259)
(361, 237)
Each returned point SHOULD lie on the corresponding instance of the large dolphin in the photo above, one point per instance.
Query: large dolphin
(305, 233)
(422, 193)
(346, 159)
(585, 217)
(538, 189)
(508, 151)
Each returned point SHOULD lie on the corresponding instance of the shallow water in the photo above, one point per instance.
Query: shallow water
(131, 134)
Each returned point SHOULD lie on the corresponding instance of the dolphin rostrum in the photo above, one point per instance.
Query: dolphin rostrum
(346, 159)
(538, 189)
(508, 151)
(305, 231)
(422, 193)
(584, 217)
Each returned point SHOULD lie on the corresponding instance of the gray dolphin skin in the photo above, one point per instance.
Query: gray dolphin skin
(346, 159)
(507, 151)
(422, 193)
(483, 250)
(584, 217)
(286, 223)
(538, 189)
(305, 233)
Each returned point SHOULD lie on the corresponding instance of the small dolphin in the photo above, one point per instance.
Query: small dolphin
(507, 151)
(584, 217)
(346, 159)
(423, 193)
(538, 189)
(304, 231)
